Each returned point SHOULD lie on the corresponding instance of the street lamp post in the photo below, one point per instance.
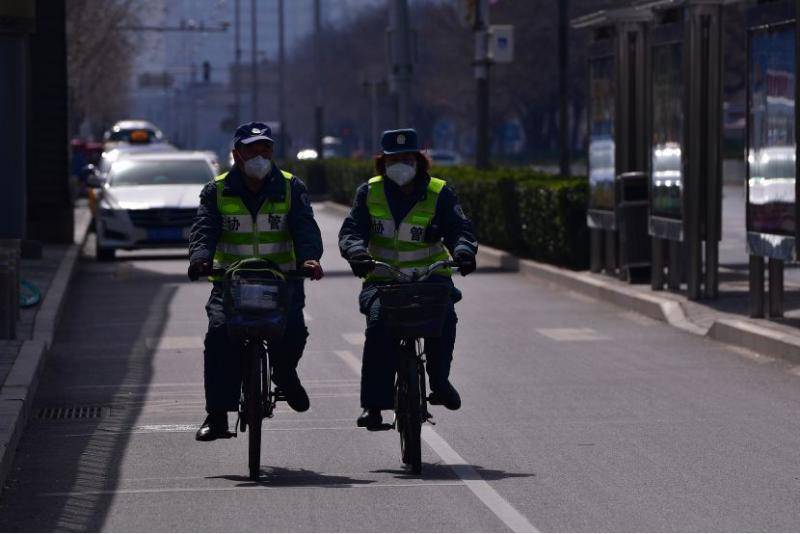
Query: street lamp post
(318, 116)
(253, 61)
(281, 59)
(401, 60)
(483, 63)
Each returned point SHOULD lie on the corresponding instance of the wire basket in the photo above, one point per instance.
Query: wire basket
(255, 302)
(416, 309)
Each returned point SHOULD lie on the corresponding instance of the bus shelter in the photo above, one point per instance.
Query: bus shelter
(684, 108)
(616, 145)
(772, 123)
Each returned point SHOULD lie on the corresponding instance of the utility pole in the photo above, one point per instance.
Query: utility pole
(482, 64)
(253, 62)
(237, 68)
(281, 103)
(401, 60)
(374, 89)
(563, 114)
(318, 117)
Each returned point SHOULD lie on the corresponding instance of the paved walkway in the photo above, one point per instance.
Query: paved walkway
(40, 272)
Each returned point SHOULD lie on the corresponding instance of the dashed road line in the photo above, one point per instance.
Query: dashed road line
(500, 507)
(572, 334)
(354, 338)
(254, 487)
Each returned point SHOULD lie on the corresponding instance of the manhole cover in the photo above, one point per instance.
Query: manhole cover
(72, 412)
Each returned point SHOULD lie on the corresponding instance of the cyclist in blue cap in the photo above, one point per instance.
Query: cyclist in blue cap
(267, 214)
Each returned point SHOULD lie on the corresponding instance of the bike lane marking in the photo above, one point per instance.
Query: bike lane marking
(256, 487)
(500, 507)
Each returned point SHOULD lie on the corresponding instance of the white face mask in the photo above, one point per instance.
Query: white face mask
(401, 173)
(257, 167)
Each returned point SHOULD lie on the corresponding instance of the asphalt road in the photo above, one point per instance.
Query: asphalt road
(577, 416)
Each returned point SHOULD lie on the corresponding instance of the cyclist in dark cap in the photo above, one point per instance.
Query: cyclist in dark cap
(408, 219)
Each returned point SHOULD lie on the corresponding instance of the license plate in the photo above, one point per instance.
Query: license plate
(164, 234)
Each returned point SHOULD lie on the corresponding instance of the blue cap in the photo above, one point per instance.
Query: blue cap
(251, 132)
(399, 141)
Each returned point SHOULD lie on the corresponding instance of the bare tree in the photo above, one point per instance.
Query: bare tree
(100, 59)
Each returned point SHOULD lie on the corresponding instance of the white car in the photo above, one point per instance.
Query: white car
(149, 201)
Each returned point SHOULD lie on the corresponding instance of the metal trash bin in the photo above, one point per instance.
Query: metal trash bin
(632, 218)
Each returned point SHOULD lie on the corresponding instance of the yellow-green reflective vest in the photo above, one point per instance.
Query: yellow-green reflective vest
(265, 236)
(404, 246)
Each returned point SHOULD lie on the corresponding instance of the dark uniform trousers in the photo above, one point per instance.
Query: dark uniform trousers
(380, 360)
(223, 373)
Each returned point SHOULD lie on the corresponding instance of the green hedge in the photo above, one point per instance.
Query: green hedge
(531, 214)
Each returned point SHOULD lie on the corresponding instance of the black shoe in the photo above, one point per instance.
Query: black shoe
(371, 419)
(214, 427)
(293, 390)
(446, 396)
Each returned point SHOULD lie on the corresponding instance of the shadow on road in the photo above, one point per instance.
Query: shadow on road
(294, 478)
(449, 472)
(66, 471)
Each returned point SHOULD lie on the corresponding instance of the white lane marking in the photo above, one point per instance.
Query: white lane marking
(572, 334)
(255, 487)
(320, 381)
(354, 338)
(174, 342)
(750, 355)
(482, 489)
(350, 359)
(170, 429)
(639, 319)
(464, 471)
(581, 297)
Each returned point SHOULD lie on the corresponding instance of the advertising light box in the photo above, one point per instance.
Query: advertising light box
(601, 134)
(668, 132)
(771, 156)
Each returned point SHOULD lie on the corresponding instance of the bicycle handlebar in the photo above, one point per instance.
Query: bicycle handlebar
(418, 276)
(297, 273)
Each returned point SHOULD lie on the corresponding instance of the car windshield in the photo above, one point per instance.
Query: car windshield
(175, 172)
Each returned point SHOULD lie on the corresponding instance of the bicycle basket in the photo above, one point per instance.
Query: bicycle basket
(416, 309)
(255, 303)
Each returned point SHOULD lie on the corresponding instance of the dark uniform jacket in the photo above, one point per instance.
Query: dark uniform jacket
(450, 224)
(302, 226)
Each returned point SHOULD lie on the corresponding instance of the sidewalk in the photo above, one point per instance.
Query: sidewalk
(21, 359)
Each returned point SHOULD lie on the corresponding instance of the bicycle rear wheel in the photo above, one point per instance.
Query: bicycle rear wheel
(254, 407)
(409, 400)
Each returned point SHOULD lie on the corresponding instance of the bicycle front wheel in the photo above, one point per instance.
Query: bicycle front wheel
(411, 428)
(254, 408)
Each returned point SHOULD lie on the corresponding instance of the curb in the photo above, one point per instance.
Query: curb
(19, 389)
(762, 339)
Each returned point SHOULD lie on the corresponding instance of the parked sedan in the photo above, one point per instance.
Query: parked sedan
(149, 201)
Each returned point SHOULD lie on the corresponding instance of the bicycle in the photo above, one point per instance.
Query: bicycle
(412, 309)
(255, 301)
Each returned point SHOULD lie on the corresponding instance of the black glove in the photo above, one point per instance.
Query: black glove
(466, 262)
(199, 268)
(361, 264)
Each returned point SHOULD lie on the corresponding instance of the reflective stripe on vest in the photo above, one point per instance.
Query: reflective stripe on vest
(403, 247)
(264, 236)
